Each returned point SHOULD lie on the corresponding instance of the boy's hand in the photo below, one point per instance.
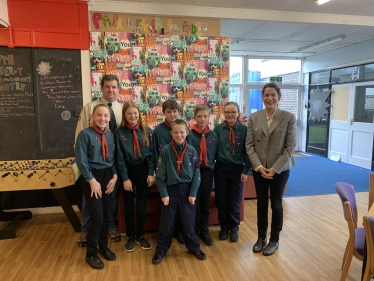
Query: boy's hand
(243, 178)
(165, 200)
(192, 200)
(150, 180)
(127, 185)
(111, 185)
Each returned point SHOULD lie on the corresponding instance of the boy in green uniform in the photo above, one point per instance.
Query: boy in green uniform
(162, 137)
(205, 142)
(178, 179)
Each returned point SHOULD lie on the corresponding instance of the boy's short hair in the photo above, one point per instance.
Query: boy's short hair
(180, 122)
(170, 104)
(200, 107)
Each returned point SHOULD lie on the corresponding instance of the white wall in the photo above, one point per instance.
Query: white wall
(355, 54)
(4, 13)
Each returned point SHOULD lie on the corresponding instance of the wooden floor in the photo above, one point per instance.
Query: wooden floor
(311, 248)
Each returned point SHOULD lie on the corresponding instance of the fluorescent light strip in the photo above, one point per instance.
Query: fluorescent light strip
(322, 43)
(321, 2)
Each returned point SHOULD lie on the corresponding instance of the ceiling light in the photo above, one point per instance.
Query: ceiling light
(321, 2)
(322, 43)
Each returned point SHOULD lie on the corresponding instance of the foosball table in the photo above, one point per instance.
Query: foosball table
(53, 174)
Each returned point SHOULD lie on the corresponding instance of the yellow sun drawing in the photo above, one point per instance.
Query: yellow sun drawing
(44, 68)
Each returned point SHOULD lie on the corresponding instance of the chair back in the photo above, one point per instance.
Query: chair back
(369, 233)
(348, 198)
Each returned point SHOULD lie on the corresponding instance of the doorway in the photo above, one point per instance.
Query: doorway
(351, 125)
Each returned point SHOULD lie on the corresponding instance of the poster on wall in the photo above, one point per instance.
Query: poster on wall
(153, 68)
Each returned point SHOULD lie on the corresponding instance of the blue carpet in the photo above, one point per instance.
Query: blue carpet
(316, 175)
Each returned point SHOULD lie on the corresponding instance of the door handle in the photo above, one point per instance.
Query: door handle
(351, 122)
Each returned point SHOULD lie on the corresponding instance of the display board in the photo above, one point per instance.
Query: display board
(17, 105)
(153, 68)
(40, 102)
(59, 87)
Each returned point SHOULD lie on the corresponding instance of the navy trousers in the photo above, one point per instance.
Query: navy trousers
(202, 200)
(229, 192)
(276, 186)
(179, 205)
(97, 234)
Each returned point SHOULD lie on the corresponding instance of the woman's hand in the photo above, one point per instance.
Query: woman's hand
(111, 184)
(95, 188)
(267, 173)
(127, 185)
(192, 200)
(150, 180)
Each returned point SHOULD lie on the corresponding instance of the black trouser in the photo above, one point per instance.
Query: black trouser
(229, 193)
(179, 205)
(138, 176)
(276, 186)
(98, 210)
(202, 201)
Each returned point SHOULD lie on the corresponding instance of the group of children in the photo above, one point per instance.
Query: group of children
(184, 162)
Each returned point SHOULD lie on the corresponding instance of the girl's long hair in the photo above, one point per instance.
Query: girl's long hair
(125, 107)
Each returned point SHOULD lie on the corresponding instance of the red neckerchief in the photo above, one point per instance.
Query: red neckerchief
(179, 157)
(104, 147)
(231, 136)
(203, 152)
(135, 140)
(167, 124)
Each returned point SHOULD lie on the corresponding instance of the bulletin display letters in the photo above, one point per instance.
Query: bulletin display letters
(153, 68)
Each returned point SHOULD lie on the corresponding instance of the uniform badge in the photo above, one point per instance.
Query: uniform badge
(123, 137)
(159, 160)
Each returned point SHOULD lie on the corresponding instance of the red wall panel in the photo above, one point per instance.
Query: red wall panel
(48, 23)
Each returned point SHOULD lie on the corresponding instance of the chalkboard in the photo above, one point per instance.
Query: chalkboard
(18, 124)
(59, 98)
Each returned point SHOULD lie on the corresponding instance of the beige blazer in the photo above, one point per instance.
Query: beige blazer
(271, 147)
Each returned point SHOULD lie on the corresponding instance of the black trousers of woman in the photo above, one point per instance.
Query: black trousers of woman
(276, 187)
(138, 176)
(98, 209)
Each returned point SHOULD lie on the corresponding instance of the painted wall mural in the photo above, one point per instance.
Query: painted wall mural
(153, 68)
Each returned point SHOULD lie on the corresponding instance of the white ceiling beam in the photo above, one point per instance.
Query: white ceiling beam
(225, 13)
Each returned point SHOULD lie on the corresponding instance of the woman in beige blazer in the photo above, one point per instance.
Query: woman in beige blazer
(271, 139)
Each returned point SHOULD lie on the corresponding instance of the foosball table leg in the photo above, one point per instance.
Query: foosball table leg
(68, 209)
(14, 218)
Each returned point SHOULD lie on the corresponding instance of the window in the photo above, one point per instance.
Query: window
(236, 70)
(261, 70)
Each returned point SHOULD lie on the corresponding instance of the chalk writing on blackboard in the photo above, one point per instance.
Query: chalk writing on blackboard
(58, 88)
(16, 96)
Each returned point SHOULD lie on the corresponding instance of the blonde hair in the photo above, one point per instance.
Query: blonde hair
(125, 107)
(200, 107)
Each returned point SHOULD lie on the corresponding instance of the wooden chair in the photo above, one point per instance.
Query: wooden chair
(369, 231)
(356, 240)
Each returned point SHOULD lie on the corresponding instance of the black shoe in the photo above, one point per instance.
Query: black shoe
(270, 248)
(223, 234)
(130, 244)
(180, 237)
(95, 262)
(143, 243)
(82, 241)
(108, 254)
(206, 239)
(157, 258)
(234, 236)
(259, 245)
(199, 255)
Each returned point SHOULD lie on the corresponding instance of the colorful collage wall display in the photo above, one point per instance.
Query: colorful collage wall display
(153, 68)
